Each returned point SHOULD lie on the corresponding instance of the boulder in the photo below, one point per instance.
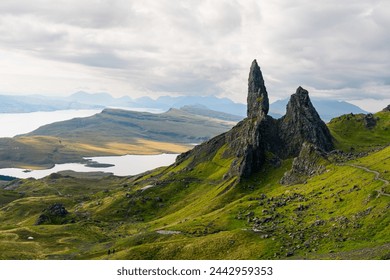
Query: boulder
(54, 214)
(311, 161)
(369, 121)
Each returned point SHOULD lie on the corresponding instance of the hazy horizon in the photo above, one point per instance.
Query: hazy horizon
(371, 106)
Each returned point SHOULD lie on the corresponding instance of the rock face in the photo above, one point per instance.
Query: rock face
(303, 124)
(258, 104)
(249, 142)
(310, 162)
(259, 138)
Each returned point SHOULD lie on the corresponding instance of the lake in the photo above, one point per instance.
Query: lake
(123, 166)
(15, 124)
(20, 123)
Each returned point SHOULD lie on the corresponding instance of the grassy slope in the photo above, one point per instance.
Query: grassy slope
(342, 213)
(349, 132)
(335, 215)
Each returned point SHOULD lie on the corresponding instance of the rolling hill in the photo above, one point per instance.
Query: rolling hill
(111, 132)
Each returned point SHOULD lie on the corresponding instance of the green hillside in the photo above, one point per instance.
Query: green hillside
(184, 213)
(351, 132)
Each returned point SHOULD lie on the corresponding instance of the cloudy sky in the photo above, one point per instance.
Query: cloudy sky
(336, 49)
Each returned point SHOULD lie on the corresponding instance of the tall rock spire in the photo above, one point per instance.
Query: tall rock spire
(258, 104)
(260, 139)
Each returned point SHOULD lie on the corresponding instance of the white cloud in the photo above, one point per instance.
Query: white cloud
(199, 47)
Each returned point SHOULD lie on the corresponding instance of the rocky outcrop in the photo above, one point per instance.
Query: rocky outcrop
(369, 121)
(259, 138)
(248, 143)
(311, 161)
(258, 104)
(250, 140)
(302, 124)
(387, 109)
(54, 214)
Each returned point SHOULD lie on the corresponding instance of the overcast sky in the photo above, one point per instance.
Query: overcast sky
(335, 49)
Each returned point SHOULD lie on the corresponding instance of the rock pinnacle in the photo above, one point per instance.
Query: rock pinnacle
(258, 104)
(303, 124)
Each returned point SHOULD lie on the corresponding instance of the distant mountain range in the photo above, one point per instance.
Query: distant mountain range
(327, 109)
(163, 103)
(34, 103)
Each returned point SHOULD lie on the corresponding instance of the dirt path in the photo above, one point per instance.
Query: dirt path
(168, 232)
(377, 174)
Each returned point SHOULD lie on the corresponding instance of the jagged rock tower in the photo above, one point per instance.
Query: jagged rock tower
(259, 138)
(258, 104)
(249, 140)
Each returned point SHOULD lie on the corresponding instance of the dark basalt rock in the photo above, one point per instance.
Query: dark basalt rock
(387, 109)
(302, 124)
(310, 162)
(249, 139)
(258, 104)
(369, 121)
(249, 142)
(54, 214)
(259, 138)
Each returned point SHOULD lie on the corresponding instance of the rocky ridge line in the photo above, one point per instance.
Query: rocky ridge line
(260, 138)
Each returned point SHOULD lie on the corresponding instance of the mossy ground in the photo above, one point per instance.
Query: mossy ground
(334, 215)
(351, 134)
(196, 212)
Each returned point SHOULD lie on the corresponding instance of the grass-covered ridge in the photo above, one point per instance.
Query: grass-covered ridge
(351, 132)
